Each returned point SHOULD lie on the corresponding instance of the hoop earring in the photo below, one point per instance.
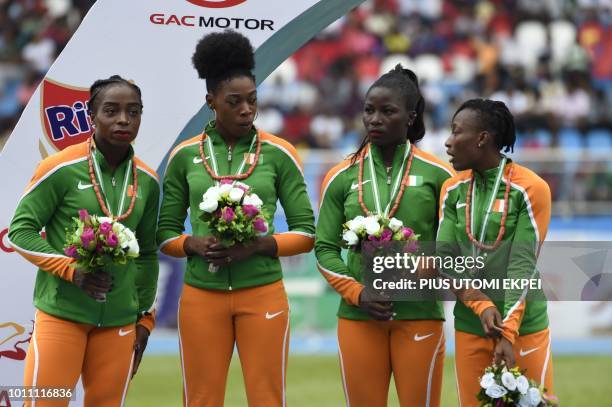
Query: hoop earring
(210, 120)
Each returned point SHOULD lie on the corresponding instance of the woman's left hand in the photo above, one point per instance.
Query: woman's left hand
(220, 255)
(140, 344)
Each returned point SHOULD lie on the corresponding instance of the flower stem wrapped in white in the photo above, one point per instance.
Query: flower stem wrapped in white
(487, 380)
(350, 238)
(496, 391)
(395, 224)
(509, 381)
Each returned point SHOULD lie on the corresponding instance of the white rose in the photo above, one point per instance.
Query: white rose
(252, 199)
(133, 248)
(356, 224)
(211, 193)
(524, 402)
(522, 384)
(495, 391)
(371, 225)
(225, 189)
(487, 380)
(350, 237)
(118, 228)
(395, 224)
(103, 219)
(236, 194)
(533, 396)
(508, 381)
(209, 205)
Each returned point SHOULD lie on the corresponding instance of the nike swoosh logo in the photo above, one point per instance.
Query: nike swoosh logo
(198, 160)
(270, 316)
(525, 353)
(84, 186)
(123, 333)
(356, 185)
(418, 338)
(461, 205)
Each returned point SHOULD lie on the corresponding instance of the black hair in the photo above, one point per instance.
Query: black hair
(222, 56)
(494, 117)
(101, 84)
(404, 81)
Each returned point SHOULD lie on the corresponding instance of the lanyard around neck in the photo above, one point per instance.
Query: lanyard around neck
(213, 158)
(123, 188)
(498, 178)
(396, 183)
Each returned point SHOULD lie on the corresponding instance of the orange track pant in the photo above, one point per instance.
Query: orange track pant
(60, 351)
(256, 320)
(371, 350)
(474, 353)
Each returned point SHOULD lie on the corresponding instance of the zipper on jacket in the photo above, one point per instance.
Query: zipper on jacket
(229, 278)
(389, 175)
(113, 181)
(229, 156)
(101, 319)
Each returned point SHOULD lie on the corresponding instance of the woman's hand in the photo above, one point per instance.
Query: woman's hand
(220, 255)
(375, 306)
(95, 284)
(491, 321)
(198, 245)
(140, 344)
(504, 352)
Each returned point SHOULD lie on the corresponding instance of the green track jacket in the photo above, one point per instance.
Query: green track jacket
(526, 227)
(277, 176)
(339, 203)
(61, 187)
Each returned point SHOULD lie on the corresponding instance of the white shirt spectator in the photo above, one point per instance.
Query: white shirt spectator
(327, 130)
(40, 54)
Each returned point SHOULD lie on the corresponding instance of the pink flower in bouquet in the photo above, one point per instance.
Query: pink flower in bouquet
(83, 215)
(227, 214)
(87, 236)
(242, 186)
(260, 225)
(407, 232)
(100, 247)
(225, 181)
(71, 252)
(112, 239)
(105, 227)
(250, 210)
(386, 235)
(412, 246)
(499, 403)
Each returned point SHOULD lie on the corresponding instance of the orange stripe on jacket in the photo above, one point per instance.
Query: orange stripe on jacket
(347, 287)
(58, 266)
(292, 243)
(189, 142)
(174, 247)
(284, 145)
(148, 320)
(451, 183)
(331, 174)
(432, 159)
(513, 321)
(144, 167)
(51, 163)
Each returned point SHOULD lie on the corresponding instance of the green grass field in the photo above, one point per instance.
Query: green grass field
(315, 381)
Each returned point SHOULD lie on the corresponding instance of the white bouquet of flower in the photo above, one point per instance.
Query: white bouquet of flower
(503, 387)
(375, 228)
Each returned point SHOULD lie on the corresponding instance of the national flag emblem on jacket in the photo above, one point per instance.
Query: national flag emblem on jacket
(414, 181)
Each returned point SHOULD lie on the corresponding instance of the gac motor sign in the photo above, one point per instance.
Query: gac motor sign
(216, 3)
(211, 22)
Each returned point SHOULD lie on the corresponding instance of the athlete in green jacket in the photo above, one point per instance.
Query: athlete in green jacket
(377, 338)
(244, 303)
(73, 333)
(507, 208)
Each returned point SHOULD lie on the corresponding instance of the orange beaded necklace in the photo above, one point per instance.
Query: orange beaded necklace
(398, 198)
(238, 176)
(96, 185)
(502, 228)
